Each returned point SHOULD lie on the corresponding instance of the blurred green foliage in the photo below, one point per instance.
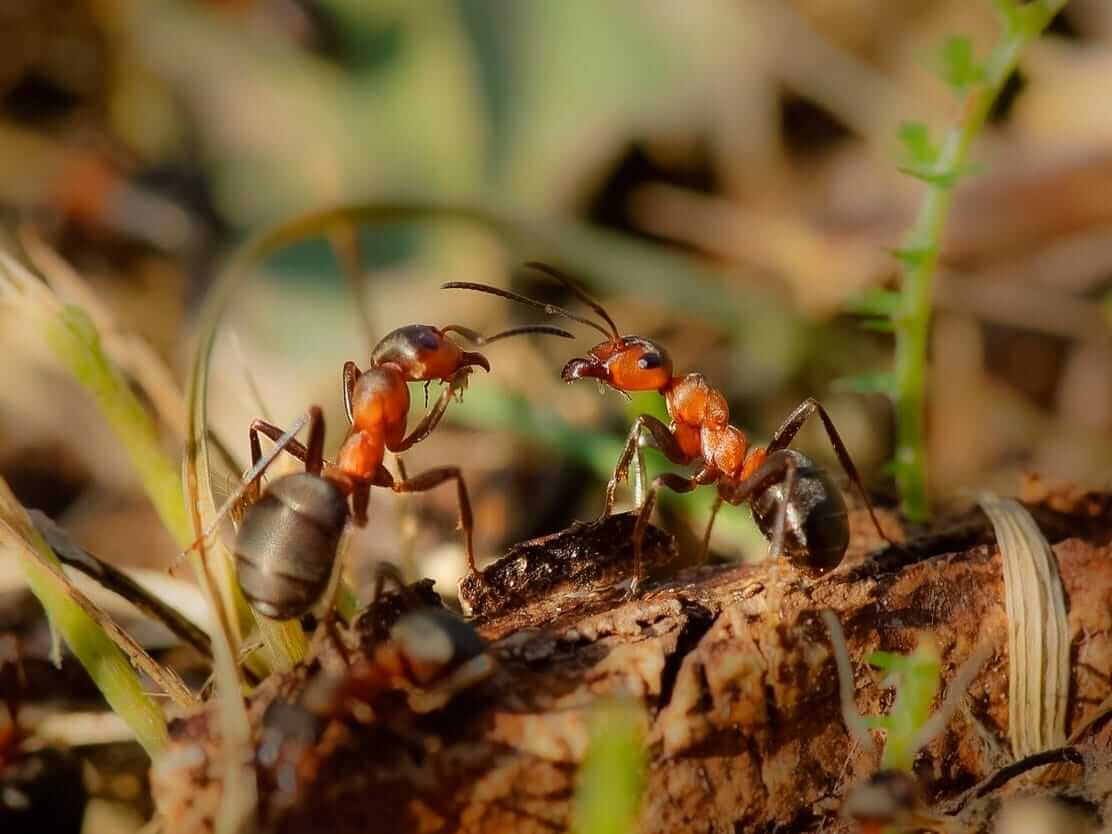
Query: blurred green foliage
(612, 777)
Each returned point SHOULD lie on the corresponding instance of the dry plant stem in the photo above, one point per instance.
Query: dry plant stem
(240, 799)
(102, 659)
(920, 256)
(167, 679)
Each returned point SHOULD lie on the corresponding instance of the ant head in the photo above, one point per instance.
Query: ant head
(423, 352)
(887, 798)
(626, 363)
(630, 363)
(433, 643)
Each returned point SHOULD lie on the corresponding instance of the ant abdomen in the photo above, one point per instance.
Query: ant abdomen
(816, 523)
(286, 545)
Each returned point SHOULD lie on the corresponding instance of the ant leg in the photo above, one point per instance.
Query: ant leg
(351, 374)
(660, 436)
(423, 429)
(676, 483)
(791, 426)
(293, 447)
(776, 544)
(260, 463)
(718, 501)
(435, 477)
(312, 454)
(780, 469)
(360, 502)
(407, 528)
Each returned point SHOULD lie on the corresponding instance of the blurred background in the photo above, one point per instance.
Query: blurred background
(733, 163)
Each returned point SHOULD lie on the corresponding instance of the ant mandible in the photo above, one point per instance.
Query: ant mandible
(795, 503)
(287, 542)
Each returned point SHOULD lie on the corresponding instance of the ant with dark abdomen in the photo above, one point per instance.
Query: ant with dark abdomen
(287, 541)
(795, 503)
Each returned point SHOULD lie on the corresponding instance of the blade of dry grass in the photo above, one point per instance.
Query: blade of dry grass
(1038, 630)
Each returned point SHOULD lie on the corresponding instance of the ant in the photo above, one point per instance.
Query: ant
(796, 504)
(287, 541)
(415, 646)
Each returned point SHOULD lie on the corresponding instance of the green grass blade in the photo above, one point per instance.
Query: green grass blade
(94, 649)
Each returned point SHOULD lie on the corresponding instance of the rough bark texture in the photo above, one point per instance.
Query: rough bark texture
(736, 674)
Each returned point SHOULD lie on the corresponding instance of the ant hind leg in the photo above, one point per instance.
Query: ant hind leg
(790, 427)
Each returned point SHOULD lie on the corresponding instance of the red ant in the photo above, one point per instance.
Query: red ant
(416, 647)
(287, 542)
(795, 503)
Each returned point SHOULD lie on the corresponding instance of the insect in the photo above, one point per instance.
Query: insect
(412, 644)
(288, 538)
(795, 503)
(428, 651)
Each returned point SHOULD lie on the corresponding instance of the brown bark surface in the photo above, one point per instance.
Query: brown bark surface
(736, 673)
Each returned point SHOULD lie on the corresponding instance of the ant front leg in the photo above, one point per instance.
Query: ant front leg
(676, 483)
(431, 479)
(660, 437)
(360, 502)
(786, 433)
(455, 385)
(718, 501)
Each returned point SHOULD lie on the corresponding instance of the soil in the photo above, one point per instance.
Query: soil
(734, 669)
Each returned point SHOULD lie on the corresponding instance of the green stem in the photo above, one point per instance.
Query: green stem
(912, 320)
(106, 664)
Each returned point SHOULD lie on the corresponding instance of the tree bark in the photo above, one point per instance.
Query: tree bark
(734, 669)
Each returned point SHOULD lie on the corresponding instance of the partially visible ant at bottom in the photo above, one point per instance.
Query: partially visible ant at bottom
(420, 650)
(892, 799)
(795, 503)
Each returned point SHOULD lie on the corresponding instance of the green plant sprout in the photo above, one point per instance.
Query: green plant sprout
(612, 778)
(940, 166)
(916, 677)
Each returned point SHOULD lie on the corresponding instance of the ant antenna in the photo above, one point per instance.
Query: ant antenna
(479, 339)
(577, 291)
(550, 309)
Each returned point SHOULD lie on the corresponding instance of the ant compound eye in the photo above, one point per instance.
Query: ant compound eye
(427, 339)
(650, 361)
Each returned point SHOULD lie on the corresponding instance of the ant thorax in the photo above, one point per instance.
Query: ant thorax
(701, 424)
(380, 401)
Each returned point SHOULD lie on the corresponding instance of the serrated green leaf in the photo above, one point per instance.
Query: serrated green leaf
(875, 302)
(938, 179)
(1006, 9)
(882, 383)
(896, 469)
(916, 139)
(878, 325)
(885, 661)
(958, 67)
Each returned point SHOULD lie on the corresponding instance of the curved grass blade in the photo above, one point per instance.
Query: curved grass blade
(101, 657)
